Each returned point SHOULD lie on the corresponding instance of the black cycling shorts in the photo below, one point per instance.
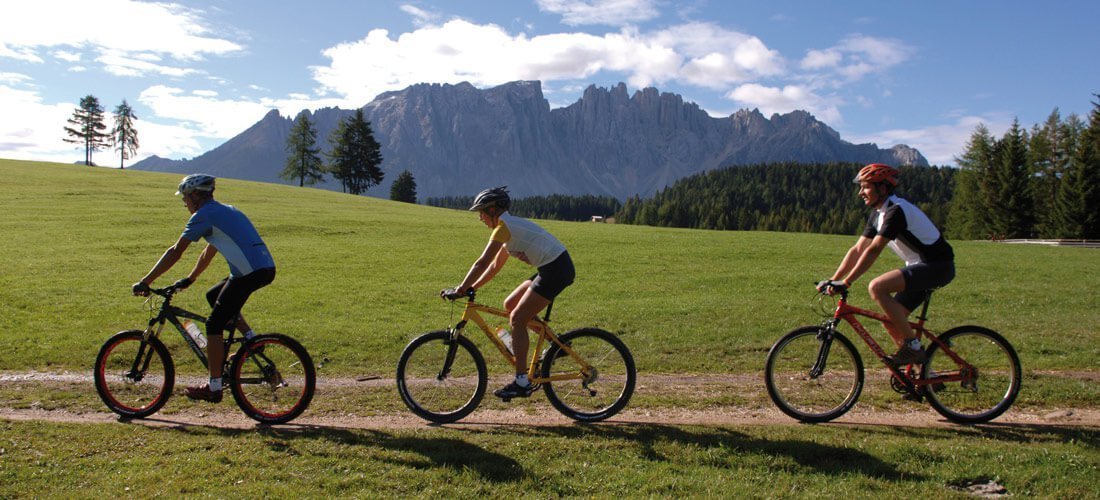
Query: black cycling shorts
(920, 279)
(552, 278)
(229, 295)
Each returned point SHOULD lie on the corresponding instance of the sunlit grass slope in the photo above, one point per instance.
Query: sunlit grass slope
(358, 277)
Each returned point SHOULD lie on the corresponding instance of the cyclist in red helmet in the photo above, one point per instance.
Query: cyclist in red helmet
(900, 225)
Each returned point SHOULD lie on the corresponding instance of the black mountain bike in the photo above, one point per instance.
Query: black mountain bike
(271, 376)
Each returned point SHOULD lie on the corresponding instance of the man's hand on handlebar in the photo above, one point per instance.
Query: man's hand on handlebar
(832, 287)
(455, 293)
(141, 289)
(182, 283)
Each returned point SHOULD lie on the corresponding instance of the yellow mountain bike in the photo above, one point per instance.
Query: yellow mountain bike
(588, 374)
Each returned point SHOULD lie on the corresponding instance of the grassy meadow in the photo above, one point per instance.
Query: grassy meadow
(358, 277)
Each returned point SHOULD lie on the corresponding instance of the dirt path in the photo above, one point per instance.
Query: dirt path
(226, 415)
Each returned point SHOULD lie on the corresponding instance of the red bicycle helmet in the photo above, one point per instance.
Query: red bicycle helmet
(876, 173)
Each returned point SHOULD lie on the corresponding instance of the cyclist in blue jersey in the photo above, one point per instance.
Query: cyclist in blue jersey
(228, 231)
(525, 240)
(900, 225)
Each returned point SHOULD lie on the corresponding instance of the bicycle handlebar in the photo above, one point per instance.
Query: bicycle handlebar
(451, 295)
(838, 286)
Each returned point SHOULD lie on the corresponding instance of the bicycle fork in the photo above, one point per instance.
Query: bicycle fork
(825, 335)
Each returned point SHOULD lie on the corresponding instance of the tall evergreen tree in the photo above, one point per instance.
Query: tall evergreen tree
(1012, 209)
(1076, 212)
(404, 188)
(303, 161)
(969, 217)
(87, 127)
(356, 157)
(124, 136)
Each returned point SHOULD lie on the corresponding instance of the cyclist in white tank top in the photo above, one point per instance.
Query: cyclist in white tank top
(525, 240)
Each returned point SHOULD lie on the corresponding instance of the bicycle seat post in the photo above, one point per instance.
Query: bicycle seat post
(924, 308)
(546, 317)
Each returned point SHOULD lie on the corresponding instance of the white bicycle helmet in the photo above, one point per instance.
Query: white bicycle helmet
(196, 182)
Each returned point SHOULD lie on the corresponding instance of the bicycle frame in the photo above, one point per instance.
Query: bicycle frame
(472, 312)
(172, 314)
(849, 314)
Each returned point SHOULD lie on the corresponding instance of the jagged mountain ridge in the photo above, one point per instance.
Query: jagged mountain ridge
(457, 139)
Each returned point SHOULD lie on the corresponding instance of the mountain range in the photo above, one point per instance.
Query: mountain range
(458, 139)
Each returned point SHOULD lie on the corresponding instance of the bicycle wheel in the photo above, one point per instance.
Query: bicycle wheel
(604, 389)
(134, 376)
(811, 377)
(996, 380)
(436, 388)
(272, 378)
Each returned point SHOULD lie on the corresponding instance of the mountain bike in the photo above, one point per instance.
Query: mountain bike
(587, 374)
(271, 376)
(814, 373)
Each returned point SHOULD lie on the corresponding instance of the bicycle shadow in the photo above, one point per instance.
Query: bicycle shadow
(1025, 433)
(729, 446)
(433, 452)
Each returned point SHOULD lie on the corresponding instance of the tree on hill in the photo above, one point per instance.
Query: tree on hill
(404, 188)
(1076, 210)
(969, 218)
(303, 161)
(1012, 208)
(87, 127)
(124, 136)
(356, 157)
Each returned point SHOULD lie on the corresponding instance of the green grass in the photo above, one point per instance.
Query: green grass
(358, 277)
(607, 461)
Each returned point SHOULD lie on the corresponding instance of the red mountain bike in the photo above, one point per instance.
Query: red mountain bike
(814, 373)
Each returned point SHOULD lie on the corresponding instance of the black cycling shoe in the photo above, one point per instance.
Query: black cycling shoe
(514, 390)
(907, 356)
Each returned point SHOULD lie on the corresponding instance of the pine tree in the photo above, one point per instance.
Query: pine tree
(969, 216)
(1076, 211)
(1011, 204)
(404, 188)
(356, 157)
(88, 127)
(124, 136)
(303, 161)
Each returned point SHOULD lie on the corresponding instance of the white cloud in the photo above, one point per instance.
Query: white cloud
(771, 100)
(151, 30)
(120, 64)
(698, 54)
(421, 17)
(67, 56)
(38, 133)
(608, 12)
(940, 144)
(857, 56)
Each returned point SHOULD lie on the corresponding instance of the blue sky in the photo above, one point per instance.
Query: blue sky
(199, 72)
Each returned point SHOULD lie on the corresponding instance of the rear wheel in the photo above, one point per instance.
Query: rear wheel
(604, 386)
(272, 378)
(813, 375)
(134, 375)
(991, 387)
(440, 379)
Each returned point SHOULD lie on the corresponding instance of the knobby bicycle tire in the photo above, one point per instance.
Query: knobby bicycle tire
(130, 393)
(804, 395)
(272, 378)
(998, 379)
(602, 393)
(436, 396)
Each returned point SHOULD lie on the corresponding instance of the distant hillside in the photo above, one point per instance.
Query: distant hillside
(457, 139)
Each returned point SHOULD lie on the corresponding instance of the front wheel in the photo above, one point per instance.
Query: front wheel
(134, 375)
(602, 371)
(988, 389)
(441, 379)
(813, 374)
(272, 378)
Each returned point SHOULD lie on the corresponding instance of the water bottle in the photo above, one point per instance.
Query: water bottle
(506, 337)
(195, 333)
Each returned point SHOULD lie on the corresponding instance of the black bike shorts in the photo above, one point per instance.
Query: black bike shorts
(920, 279)
(229, 295)
(552, 278)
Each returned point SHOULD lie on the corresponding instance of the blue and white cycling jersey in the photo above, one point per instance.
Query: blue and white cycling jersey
(232, 234)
